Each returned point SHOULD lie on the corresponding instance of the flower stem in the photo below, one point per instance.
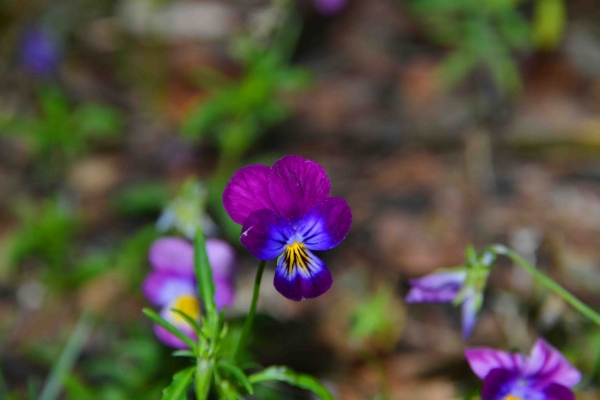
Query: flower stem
(549, 283)
(204, 372)
(250, 318)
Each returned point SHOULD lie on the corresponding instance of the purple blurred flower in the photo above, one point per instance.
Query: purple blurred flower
(544, 375)
(329, 7)
(172, 282)
(451, 287)
(40, 51)
(286, 212)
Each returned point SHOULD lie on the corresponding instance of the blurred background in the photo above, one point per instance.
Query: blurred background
(443, 123)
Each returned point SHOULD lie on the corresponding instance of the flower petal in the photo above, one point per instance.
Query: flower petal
(222, 258)
(547, 365)
(469, 309)
(172, 254)
(224, 293)
(306, 279)
(265, 234)
(161, 287)
(438, 287)
(497, 384)
(482, 360)
(167, 337)
(326, 224)
(558, 392)
(296, 185)
(247, 191)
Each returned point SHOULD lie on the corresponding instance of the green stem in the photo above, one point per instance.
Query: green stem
(550, 284)
(250, 318)
(204, 372)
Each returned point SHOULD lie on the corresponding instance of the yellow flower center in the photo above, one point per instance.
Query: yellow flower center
(188, 305)
(295, 255)
(511, 397)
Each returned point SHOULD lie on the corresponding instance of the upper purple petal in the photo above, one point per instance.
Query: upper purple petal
(222, 258)
(298, 284)
(482, 360)
(497, 384)
(326, 224)
(296, 185)
(438, 287)
(162, 287)
(247, 191)
(172, 254)
(265, 234)
(547, 365)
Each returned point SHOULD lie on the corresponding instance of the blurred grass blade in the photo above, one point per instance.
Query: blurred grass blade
(206, 286)
(549, 21)
(284, 374)
(67, 359)
(169, 327)
(177, 390)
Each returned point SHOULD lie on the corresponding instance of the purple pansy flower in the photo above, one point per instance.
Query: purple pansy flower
(40, 51)
(329, 7)
(460, 286)
(544, 375)
(286, 212)
(172, 283)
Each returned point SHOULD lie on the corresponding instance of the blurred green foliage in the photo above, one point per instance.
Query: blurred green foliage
(549, 21)
(240, 110)
(46, 231)
(61, 132)
(479, 33)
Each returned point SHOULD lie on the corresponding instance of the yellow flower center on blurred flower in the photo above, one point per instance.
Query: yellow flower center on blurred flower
(511, 397)
(188, 305)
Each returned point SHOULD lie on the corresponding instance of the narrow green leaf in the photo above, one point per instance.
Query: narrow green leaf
(193, 323)
(206, 286)
(183, 353)
(169, 327)
(177, 390)
(238, 374)
(284, 374)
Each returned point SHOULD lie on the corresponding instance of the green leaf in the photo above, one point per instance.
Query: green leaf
(183, 353)
(206, 286)
(193, 323)
(169, 327)
(549, 21)
(97, 120)
(177, 390)
(238, 374)
(284, 374)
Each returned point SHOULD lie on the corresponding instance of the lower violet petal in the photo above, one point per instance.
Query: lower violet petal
(265, 234)
(558, 392)
(301, 275)
(187, 304)
(497, 384)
